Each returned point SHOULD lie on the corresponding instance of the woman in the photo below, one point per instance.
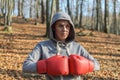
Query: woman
(61, 43)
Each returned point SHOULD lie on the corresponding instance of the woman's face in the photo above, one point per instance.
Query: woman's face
(62, 29)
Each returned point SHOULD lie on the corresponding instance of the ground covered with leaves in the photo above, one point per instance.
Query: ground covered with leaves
(15, 47)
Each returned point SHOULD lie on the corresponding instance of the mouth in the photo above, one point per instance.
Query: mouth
(64, 33)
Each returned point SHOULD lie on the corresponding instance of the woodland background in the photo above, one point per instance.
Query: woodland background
(24, 23)
(100, 15)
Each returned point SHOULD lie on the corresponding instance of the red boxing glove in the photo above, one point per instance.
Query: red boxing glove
(41, 66)
(79, 65)
(57, 65)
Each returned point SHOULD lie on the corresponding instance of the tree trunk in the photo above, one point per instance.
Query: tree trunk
(93, 18)
(69, 10)
(8, 15)
(98, 15)
(81, 14)
(30, 12)
(42, 13)
(106, 17)
(88, 16)
(53, 8)
(77, 15)
(114, 18)
(10, 9)
(47, 17)
(118, 21)
(36, 16)
(57, 6)
(2, 7)
(20, 8)
(49, 14)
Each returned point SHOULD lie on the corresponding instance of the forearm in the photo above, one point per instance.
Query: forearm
(29, 67)
(90, 57)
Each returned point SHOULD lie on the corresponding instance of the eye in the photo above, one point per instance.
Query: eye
(60, 26)
(68, 26)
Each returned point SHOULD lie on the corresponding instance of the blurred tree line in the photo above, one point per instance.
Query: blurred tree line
(99, 15)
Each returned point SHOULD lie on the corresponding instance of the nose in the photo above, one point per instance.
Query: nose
(64, 28)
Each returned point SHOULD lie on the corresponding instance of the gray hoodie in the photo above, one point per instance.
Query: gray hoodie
(51, 47)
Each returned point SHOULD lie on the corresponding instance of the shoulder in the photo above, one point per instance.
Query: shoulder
(44, 43)
(75, 43)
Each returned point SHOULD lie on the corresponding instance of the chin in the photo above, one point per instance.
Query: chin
(63, 39)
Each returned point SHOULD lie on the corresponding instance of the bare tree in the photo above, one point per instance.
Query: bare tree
(81, 13)
(69, 10)
(88, 15)
(20, 8)
(37, 14)
(98, 16)
(114, 17)
(10, 9)
(30, 11)
(77, 14)
(8, 15)
(118, 22)
(57, 6)
(42, 12)
(47, 17)
(49, 13)
(2, 7)
(106, 17)
(93, 16)
(53, 8)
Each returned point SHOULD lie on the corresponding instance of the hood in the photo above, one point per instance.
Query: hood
(62, 16)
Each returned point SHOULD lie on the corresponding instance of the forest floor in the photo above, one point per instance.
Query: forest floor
(15, 47)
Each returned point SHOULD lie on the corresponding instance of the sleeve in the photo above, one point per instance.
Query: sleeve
(29, 65)
(90, 57)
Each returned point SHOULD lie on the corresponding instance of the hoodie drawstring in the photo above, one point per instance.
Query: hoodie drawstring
(59, 43)
(58, 48)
